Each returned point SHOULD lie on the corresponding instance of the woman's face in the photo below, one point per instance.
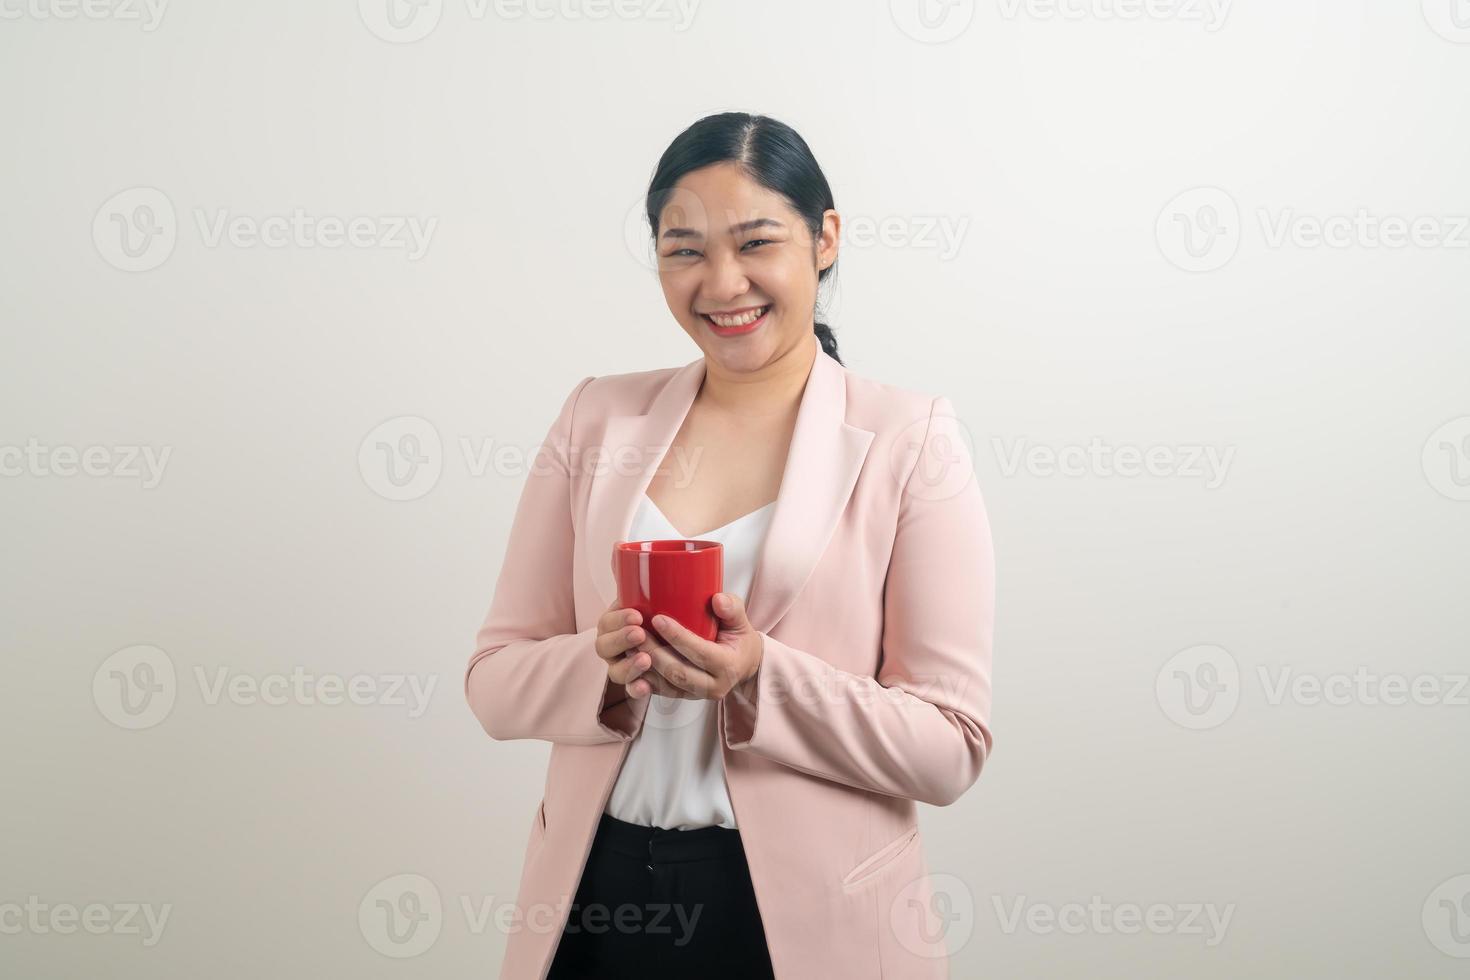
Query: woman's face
(728, 246)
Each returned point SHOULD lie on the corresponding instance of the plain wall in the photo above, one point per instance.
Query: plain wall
(1093, 232)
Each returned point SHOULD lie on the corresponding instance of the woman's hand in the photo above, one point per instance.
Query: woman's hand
(618, 631)
(695, 668)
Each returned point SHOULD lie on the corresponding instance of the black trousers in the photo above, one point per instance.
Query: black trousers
(654, 902)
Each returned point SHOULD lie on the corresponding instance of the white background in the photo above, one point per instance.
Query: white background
(1122, 185)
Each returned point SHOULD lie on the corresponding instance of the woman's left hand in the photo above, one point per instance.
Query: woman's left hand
(694, 668)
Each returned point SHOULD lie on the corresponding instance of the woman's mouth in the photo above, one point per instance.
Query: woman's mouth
(737, 323)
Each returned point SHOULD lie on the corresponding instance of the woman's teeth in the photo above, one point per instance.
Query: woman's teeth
(737, 321)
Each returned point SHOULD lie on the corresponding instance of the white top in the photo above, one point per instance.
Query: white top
(674, 774)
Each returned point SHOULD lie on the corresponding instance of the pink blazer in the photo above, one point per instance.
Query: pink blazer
(875, 594)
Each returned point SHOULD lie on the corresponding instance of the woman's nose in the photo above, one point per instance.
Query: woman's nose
(727, 279)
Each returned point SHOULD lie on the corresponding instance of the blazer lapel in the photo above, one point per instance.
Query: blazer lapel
(630, 451)
(822, 467)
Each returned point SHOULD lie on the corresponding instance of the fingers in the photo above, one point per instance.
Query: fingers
(618, 633)
(684, 641)
(627, 669)
(645, 680)
(644, 666)
(652, 682)
(730, 608)
(615, 616)
(620, 649)
(678, 672)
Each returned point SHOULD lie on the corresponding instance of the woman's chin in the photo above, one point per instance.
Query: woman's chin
(735, 358)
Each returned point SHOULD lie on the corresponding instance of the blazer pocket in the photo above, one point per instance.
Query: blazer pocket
(539, 830)
(881, 858)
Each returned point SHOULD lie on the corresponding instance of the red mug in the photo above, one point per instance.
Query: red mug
(677, 578)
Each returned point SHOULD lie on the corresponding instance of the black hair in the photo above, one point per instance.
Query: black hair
(772, 153)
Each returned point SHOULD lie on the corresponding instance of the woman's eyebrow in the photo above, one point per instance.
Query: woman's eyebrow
(739, 229)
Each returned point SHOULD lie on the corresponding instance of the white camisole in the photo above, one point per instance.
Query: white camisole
(674, 774)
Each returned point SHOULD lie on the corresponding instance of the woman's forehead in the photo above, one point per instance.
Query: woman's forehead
(693, 209)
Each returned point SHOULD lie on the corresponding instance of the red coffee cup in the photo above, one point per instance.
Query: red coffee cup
(676, 578)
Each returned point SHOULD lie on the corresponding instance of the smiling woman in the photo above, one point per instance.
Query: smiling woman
(739, 209)
(743, 806)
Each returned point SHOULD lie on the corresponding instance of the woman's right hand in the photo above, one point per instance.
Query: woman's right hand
(620, 630)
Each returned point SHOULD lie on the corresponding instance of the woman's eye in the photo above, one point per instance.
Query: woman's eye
(758, 241)
(679, 253)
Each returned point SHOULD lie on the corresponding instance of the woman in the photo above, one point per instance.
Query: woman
(851, 674)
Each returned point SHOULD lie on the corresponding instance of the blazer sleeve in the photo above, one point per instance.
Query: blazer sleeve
(921, 728)
(532, 673)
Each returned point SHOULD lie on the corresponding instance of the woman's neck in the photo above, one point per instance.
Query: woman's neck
(775, 390)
